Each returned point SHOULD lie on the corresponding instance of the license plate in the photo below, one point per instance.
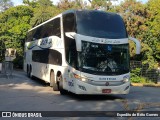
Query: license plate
(106, 90)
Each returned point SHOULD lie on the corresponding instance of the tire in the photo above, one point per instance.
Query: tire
(52, 82)
(27, 71)
(62, 91)
(30, 72)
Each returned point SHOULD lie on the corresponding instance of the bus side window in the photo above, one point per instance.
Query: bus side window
(56, 27)
(69, 22)
(44, 31)
(70, 44)
(29, 36)
(37, 34)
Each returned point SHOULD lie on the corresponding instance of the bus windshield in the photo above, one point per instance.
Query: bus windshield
(100, 24)
(104, 59)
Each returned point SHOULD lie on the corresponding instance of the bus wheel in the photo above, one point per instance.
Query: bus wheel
(27, 71)
(52, 82)
(30, 72)
(62, 91)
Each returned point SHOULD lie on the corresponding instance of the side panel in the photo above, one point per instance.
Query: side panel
(70, 83)
(27, 56)
(42, 63)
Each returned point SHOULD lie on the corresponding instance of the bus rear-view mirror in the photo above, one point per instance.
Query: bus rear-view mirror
(138, 44)
(70, 34)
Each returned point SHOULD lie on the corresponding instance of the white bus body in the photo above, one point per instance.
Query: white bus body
(81, 51)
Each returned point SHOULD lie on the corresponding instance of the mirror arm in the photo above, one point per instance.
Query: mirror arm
(138, 44)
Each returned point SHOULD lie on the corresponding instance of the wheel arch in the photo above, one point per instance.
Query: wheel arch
(58, 73)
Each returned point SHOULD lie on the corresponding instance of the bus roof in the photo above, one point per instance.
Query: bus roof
(71, 11)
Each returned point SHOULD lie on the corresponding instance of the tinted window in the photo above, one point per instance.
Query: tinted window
(47, 56)
(55, 57)
(69, 22)
(104, 59)
(70, 44)
(100, 24)
(30, 35)
(49, 29)
(37, 34)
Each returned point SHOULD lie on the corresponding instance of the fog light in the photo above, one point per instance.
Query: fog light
(126, 88)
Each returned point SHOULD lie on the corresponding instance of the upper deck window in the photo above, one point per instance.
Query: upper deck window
(100, 24)
(48, 29)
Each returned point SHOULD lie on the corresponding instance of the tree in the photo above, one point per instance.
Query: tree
(153, 35)
(105, 5)
(71, 4)
(134, 14)
(32, 3)
(14, 24)
(43, 11)
(2, 50)
(5, 4)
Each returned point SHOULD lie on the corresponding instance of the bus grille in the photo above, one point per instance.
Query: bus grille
(103, 83)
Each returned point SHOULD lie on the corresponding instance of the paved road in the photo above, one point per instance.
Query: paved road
(23, 94)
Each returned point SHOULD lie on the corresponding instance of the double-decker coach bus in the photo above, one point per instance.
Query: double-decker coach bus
(81, 51)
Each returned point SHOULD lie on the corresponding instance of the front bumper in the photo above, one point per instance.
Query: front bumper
(85, 88)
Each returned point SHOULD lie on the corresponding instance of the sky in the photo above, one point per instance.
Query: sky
(19, 2)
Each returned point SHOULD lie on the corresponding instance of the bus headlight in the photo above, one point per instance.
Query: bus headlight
(125, 78)
(80, 78)
(77, 76)
(84, 79)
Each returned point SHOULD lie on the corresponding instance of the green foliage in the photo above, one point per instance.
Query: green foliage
(134, 14)
(42, 12)
(153, 35)
(154, 19)
(150, 76)
(142, 21)
(18, 62)
(137, 79)
(101, 4)
(31, 3)
(68, 4)
(15, 24)
(135, 76)
(2, 50)
(147, 55)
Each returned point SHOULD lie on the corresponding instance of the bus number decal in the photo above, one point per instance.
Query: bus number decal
(82, 87)
(70, 83)
(46, 42)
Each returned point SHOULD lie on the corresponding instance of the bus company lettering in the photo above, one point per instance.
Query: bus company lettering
(82, 87)
(107, 78)
(116, 42)
(46, 42)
